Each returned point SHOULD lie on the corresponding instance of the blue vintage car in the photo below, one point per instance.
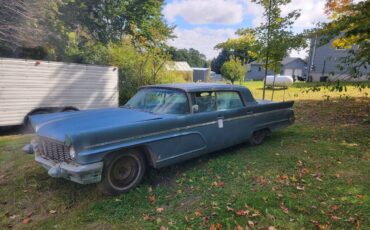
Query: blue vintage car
(159, 126)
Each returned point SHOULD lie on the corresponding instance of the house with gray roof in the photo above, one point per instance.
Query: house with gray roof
(292, 66)
(326, 63)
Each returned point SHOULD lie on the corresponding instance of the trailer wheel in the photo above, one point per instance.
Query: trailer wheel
(258, 137)
(69, 109)
(27, 127)
(122, 172)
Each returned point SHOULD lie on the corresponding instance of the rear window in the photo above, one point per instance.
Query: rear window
(228, 100)
(216, 101)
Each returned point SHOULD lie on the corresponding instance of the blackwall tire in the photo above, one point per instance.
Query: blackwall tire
(122, 172)
(258, 137)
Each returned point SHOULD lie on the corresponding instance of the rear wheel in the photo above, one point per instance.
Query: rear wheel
(122, 172)
(258, 137)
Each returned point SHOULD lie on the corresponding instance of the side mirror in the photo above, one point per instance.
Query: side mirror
(195, 108)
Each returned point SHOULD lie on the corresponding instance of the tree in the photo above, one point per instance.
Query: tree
(349, 29)
(233, 70)
(241, 47)
(110, 20)
(26, 27)
(192, 56)
(221, 58)
(275, 30)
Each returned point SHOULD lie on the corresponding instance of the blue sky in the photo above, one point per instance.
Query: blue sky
(201, 24)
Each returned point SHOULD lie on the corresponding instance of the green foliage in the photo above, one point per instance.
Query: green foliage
(138, 67)
(348, 29)
(241, 47)
(133, 69)
(110, 20)
(218, 61)
(192, 56)
(233, 70)
(275, 38)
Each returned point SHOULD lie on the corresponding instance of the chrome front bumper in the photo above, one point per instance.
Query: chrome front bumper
(82, 174)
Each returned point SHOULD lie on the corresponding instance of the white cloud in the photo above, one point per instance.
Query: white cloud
(202, 39)
(312, 12)
(205, 12)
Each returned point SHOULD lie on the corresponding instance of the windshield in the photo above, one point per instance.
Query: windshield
(162, 101)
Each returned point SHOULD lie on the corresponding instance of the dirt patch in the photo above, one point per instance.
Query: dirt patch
(338, 112)
(166, 179)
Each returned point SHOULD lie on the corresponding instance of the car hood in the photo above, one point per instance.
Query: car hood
(56, 126)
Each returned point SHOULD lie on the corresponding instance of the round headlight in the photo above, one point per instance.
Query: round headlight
(72, 152)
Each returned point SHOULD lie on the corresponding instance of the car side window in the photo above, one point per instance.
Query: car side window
(228, 100)
(206, 101)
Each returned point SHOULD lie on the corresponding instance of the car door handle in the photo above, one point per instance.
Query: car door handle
(249, 112)
(220, 117)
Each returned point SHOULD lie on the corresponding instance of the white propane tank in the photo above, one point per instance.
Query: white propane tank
(280, 81)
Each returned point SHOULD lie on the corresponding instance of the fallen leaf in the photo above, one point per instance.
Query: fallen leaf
(283, 177)
(300, 188)
(242, 212)
(271, 228)
(13, 217)
(163, 228)
(26, 221)
(239, 227)
(218, 184)
(151, 199)
(285, 209)
(335, 218)
(250, 223)
(215, 227)
(305, 171)
(337, 175)
(261, 180)
(53, 211)
(257, 213)
(293, 179)
(198, 213)
(230, 209)
(146, 217)
(159, 210)
(323, 226)
(359, 196)
(334, 207)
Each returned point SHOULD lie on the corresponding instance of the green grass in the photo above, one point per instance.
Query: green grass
(314, 174)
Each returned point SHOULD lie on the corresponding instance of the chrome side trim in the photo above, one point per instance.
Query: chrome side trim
(181, 128)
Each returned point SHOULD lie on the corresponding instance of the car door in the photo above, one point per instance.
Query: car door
(236, 118)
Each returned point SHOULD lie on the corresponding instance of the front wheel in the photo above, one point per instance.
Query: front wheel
(122, 172)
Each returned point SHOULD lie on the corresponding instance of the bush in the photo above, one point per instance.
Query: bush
(233, 70)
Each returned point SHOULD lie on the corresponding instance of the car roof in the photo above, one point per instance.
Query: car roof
(195, 87)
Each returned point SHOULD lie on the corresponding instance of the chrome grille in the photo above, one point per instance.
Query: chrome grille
(55, 150)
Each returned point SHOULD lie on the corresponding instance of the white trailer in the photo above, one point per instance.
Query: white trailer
(29, 87)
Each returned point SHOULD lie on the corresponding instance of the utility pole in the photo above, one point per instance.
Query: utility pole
(268, 49)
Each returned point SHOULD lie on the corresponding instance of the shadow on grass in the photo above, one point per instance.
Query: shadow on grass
(166, 177)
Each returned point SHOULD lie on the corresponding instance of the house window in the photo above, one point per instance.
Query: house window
(259, 68)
